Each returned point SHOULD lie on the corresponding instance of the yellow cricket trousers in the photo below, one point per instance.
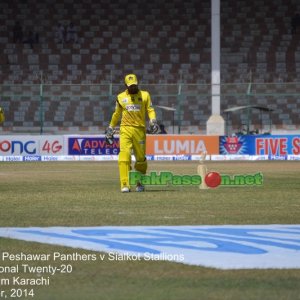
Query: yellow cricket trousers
(131, 139)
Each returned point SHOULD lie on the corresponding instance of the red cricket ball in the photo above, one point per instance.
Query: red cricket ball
(213, 179)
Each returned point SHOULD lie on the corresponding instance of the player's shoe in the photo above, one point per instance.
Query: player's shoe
(139, 187)
(125, 189)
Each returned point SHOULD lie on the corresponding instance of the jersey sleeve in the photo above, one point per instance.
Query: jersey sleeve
(116, 115)
(150, 109)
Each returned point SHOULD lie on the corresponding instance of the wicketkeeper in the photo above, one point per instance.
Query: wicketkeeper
(132, 105)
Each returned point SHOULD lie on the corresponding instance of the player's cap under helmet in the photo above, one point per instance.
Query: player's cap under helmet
(131, 79)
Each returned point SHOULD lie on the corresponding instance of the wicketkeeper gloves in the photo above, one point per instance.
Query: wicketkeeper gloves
(109, 135)
(153, 127)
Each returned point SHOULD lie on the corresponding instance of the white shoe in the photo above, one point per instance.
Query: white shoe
(125, 190)
(140, 188)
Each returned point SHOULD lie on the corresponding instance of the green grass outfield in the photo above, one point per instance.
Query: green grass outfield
(87, 194)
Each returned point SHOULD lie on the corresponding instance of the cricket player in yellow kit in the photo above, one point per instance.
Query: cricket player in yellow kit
(2, 116)
(132, 105)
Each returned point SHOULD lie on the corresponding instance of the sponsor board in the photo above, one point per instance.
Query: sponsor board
(47, 158)
(293, 157)
(50, 158)
(275, 146)
(199, 157)
(172, 157)
(218, 246)
(277, 157)
(182, 144)
(18, 145)
(11, 158)
(159, 147)
(163, 157)
(258, 157)
(51, 145)
(100, 158)
(31, 145)
(150, 157)
(95, 145)
(230, 157)
(182, 157)
(233, 145)
(68, 158)
(32, 158)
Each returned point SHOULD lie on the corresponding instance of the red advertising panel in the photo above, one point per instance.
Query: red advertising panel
(182, 144)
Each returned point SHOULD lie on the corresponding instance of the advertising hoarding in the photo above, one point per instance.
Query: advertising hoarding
(270, 145)
(27, 145)
(92, 145)
(182, 144)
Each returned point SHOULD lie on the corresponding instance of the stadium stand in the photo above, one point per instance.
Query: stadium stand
(163, 44)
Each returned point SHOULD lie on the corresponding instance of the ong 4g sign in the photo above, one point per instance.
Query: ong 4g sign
(31, 145)
(17, 146)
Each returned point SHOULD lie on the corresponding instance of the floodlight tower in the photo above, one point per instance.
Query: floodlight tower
(215, 124)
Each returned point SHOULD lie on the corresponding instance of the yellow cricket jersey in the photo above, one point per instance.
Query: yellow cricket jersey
(133, 109)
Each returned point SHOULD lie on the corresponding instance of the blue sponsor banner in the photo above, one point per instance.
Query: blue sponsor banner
(32, 158)
(182, 157)
(275, 146)
(236, 145)
(92, 146)
(150, 157)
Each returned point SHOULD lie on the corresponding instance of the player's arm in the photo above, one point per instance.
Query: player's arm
(152, 116)
(110, 130)
(116, 115)
(150, 108)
